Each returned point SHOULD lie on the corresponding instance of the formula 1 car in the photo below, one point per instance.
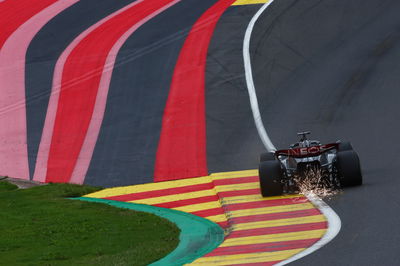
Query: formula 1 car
(337, 163)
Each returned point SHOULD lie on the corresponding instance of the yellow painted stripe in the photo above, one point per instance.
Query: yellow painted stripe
(255, 197)
(217, 218)
(269, 238)
(176, 197)
(274, 209)
(280, 222)
(249, 2)
(110, 192)
(235, 187)
(199, 207)
(234, 174)
(247, 258)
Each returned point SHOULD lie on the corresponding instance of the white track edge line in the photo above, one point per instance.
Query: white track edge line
(334, 223)
(250, 83)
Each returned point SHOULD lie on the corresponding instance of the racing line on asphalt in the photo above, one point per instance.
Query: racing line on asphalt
(334, 222)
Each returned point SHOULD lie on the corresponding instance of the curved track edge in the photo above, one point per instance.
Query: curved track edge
(334, 223)
(198, 236)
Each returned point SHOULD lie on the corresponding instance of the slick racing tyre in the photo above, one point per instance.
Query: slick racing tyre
(345, 146)
(270, 173)
(349, 170)
(267, 156)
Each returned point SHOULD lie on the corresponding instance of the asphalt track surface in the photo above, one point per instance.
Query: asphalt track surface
(324, 66)
(40, 63)
(138, 92)
(131, 127)
(229, 120)
(333, 68)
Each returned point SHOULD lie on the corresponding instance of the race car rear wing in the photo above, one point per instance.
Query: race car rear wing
(307, 151)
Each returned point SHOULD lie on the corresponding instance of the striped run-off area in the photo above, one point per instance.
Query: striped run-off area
(259, 231)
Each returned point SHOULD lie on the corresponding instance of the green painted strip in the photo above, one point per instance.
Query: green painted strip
(198, 236)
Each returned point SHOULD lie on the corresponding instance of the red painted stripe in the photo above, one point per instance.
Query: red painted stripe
(235, 193)
(278, 229)
(209, 212)
(161, 192)
(15, 13)
(80, 81)
(224, 224)
(15, 42)
(274, 216)
(266, 203)
(182, 148)
(180, 203)
(232, 181)
(263, 247)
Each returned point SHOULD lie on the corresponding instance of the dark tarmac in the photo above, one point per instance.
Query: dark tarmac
(334, 68)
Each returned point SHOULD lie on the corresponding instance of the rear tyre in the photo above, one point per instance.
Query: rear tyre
(345, 146)
(270, 173)
(267, 156)
(349, 170)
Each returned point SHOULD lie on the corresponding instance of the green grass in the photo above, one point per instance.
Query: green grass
(38, 226)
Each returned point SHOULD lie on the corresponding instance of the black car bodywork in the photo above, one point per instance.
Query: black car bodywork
(337, 164)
